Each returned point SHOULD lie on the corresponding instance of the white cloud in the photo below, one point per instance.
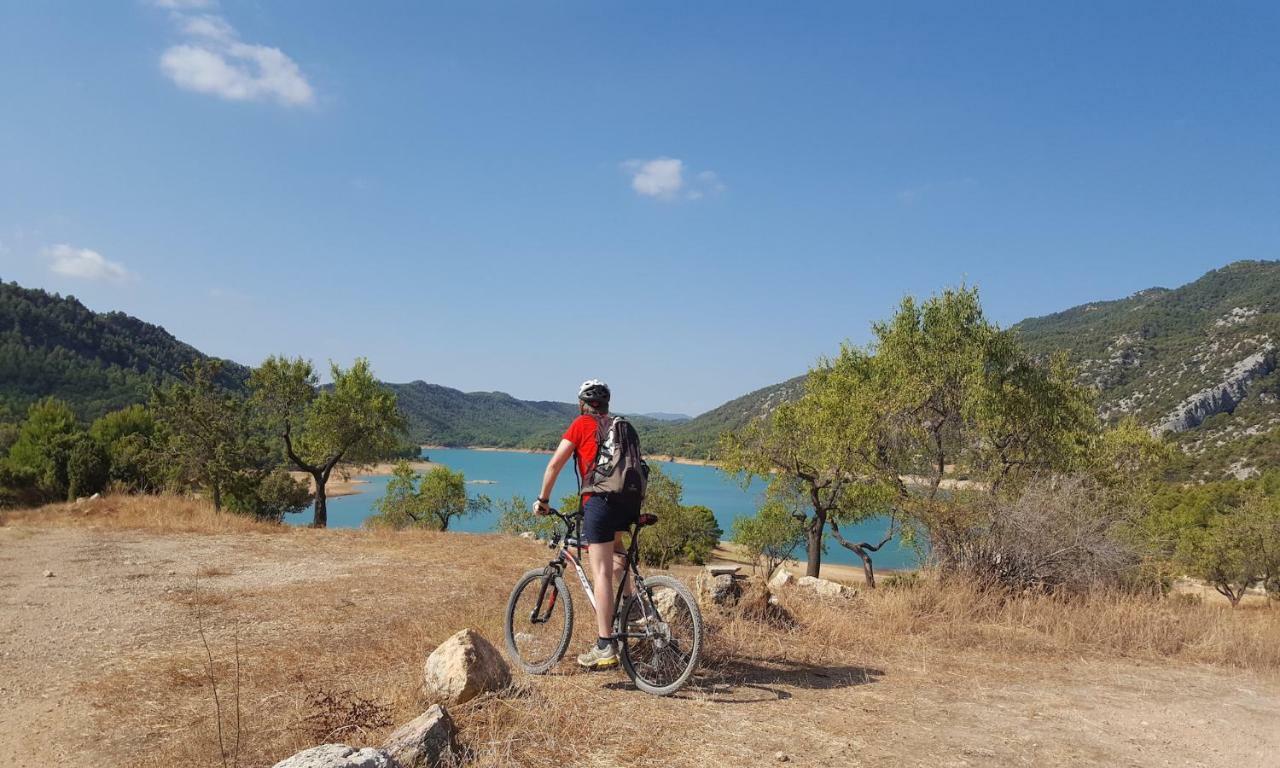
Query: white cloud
(183, 5)
(214, 60)
(84, 264)
(664, 178)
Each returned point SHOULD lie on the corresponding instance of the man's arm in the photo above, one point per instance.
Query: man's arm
(557, 462)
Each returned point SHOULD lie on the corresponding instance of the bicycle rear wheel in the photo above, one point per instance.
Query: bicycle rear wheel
(664, 659)
(537, 641)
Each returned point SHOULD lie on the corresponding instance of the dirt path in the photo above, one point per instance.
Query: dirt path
(115, 604)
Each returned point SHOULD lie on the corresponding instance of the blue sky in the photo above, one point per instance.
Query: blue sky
(688, 200)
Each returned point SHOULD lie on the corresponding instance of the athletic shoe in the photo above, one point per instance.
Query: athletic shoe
(599, 658)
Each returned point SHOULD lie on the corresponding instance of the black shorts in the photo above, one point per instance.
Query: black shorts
(604, 515)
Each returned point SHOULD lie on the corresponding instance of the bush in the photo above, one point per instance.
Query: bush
(682, 534)
(1056, 534)
(516, 516)
(270, 497)
(771, 535)
(87, 467)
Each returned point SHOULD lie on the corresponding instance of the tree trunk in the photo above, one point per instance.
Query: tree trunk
(861, 550)
(814, 543)
(321, 519)
(217, 497)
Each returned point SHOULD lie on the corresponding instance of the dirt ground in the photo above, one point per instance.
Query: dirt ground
(101, 665)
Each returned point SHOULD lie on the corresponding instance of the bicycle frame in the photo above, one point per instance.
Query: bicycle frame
(570, 542)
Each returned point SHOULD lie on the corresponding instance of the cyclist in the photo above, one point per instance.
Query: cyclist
(605, 516)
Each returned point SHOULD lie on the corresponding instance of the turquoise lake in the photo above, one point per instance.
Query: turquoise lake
(511, 473)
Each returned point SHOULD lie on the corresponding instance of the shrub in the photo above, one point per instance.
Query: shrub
(269, 497)
(771, 535)
(1056, 534)
(87, 467)
(682, 533)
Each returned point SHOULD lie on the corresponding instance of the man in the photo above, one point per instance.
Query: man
(605, 516)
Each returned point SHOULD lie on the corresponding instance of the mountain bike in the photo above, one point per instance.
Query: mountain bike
(656, 623)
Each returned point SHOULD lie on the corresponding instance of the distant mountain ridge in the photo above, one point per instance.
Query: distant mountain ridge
(1198, 363)
(96, 361)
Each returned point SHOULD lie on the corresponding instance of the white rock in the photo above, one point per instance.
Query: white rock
(781, 578)
(423, 742)
(336, 756)
(48, 574)
(528, 535)
(463, 667)
(825, 587)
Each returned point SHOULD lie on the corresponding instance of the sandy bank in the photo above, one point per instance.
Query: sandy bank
(346, 481)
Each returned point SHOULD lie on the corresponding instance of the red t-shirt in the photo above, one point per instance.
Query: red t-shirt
(582, 433)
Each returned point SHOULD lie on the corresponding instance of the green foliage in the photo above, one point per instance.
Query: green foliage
(682, 533)
(269, 497)
(95, 362)
(36, 466)
(128, 437)
(1241, 549)
(770, 536)
(428, 501)
(87, 467)
(516, 516)
(354, 420)
(210, 436)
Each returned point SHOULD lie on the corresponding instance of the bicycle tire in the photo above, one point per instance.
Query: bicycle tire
(563, 598)
(631, 649)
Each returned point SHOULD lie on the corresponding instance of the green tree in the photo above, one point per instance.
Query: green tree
(354, 420)
(127, 436)
(940, 391)
(770, 536)
(428, 501)
(516, 516)
(1238, 548)
(269, 497)
(210, 437)
(682, 533)
(88, 467)
(37, 461)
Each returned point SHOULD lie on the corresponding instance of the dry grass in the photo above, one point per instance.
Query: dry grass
(159, 514)
(364, 631)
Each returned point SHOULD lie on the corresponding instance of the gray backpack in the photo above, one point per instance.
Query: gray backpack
(618, 468)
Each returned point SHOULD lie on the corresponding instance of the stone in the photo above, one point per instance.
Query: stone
(721, 590)
(781, 578)
(95, 497)
(720, 570)
(825, 587)
(528, 535)
(48, 574)
(667, 602)
(425, 741)
(337, 756)
(463, 667)
(781, 757)
(1222, 397)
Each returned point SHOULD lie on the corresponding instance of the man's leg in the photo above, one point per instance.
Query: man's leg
(602, 584)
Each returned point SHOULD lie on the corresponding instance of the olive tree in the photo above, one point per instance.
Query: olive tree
(354, 420)
(428, 501)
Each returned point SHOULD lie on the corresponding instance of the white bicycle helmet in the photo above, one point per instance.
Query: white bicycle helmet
(593, 390)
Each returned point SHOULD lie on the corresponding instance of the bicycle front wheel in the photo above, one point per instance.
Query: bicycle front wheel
(539, 621)
(661, 636)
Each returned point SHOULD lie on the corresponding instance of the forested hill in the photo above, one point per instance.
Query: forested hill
(97, 362)
(1197, 362)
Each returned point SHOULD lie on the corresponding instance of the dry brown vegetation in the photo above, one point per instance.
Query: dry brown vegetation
(351, 615)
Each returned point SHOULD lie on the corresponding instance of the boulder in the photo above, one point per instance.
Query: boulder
(463, 667)
(825, 587)
(667, 602)
(425, 741)
(781, 578)
(337, 756)
(722, 589)
(528, 535)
